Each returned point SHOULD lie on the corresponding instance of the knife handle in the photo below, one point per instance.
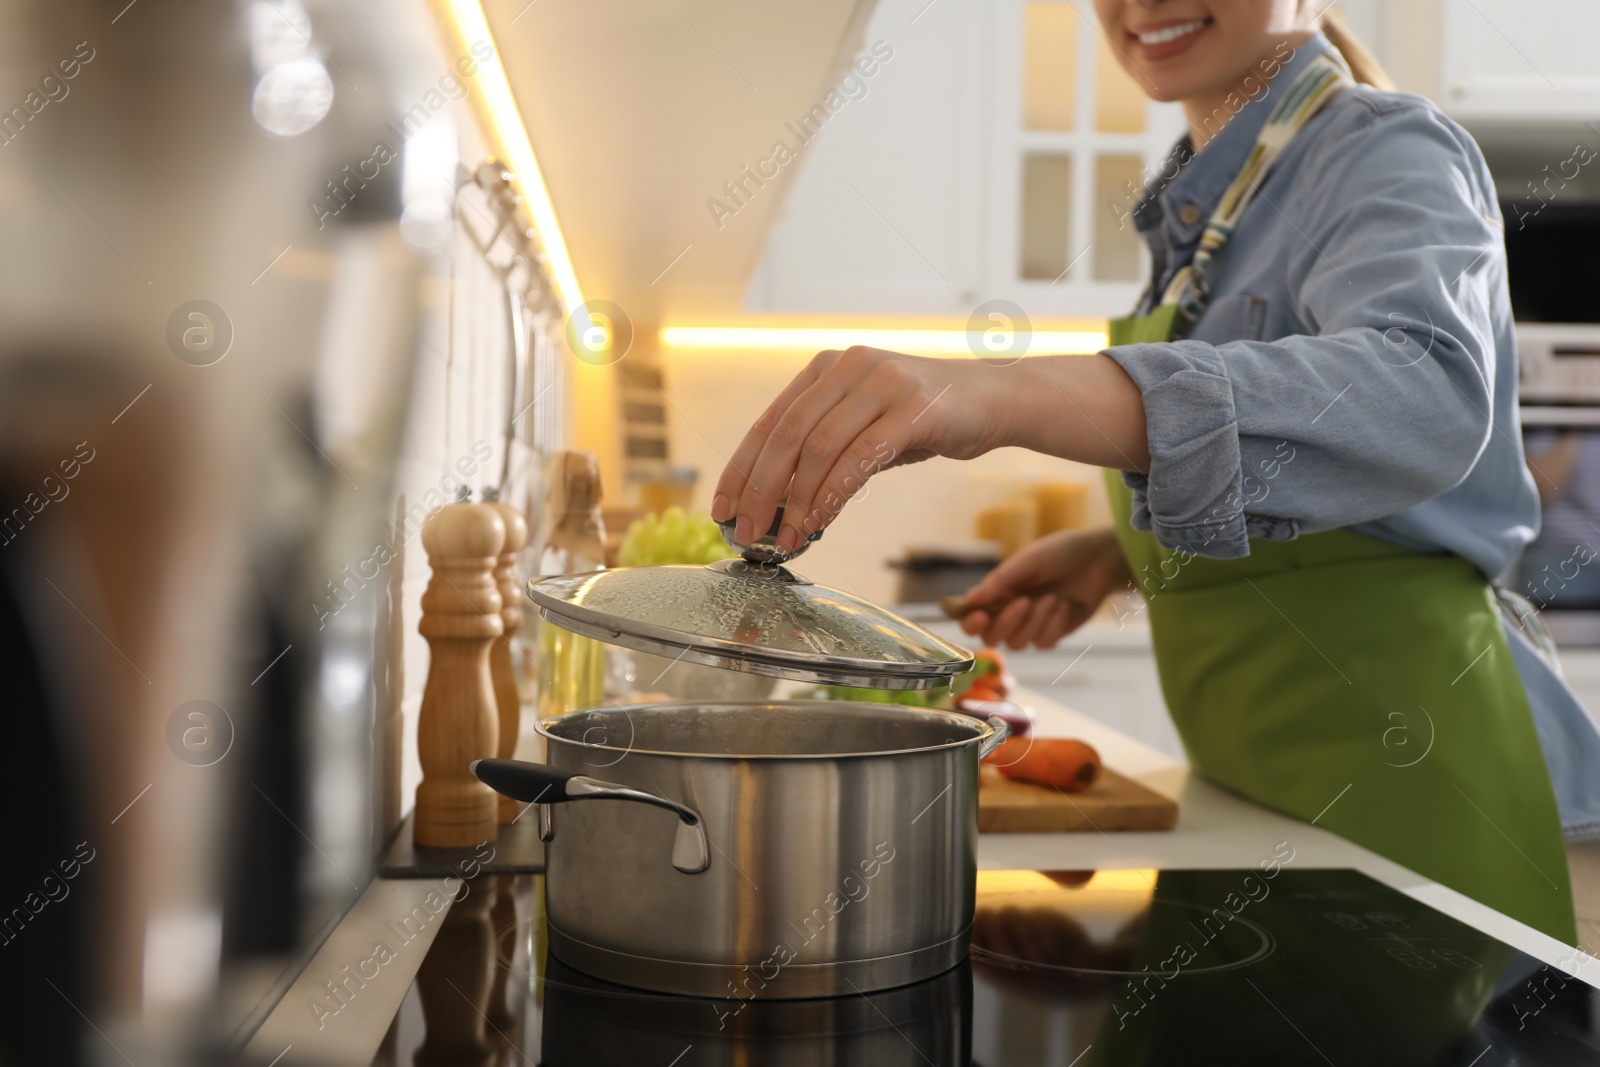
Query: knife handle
(956, 606)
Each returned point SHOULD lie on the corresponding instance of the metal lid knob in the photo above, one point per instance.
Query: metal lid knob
(764, 549)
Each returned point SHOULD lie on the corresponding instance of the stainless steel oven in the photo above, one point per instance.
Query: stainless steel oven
(1552, 237)
(1553, 259)
(1560, 409)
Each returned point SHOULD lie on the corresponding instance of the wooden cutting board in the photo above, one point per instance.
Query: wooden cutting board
(1113, 803)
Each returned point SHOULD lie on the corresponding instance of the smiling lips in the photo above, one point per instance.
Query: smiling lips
(1164, 40)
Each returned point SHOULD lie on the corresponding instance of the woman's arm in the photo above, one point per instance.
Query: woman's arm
(1395, 264)
(1398, 270)
(851, 414)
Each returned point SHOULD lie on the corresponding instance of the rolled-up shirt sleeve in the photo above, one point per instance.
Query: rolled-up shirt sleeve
(1394, 250)
(1195, 469)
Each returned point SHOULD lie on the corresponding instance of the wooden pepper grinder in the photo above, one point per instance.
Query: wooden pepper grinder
(458, 721)
(507, 699)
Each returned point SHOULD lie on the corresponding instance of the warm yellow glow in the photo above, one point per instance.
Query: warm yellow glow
(493, 90)
(1125, 881)
(920, 342)
(1015, 882)
(594, 421)
(1130, 880)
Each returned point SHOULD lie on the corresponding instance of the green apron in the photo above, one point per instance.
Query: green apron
(1340, 679)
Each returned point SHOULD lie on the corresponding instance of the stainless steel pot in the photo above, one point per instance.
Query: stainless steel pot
(768, 851)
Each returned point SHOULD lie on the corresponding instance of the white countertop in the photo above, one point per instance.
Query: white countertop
(1218, 829)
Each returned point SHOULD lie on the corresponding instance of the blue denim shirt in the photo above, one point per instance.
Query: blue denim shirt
(1355, 366)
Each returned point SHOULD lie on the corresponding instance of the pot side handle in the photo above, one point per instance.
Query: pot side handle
(1002, 730)
(536, 783)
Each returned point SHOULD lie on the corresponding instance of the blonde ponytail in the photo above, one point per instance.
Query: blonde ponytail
(1362, 65)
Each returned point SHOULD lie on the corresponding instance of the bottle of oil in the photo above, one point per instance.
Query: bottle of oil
(572, 668)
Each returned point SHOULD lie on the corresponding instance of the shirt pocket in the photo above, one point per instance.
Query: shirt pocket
(1235, 317)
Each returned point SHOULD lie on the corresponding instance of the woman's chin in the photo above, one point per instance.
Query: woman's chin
(1185, 76)
(1162, 95)
(1166, 89)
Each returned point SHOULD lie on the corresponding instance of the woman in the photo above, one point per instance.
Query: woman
(1314, 417)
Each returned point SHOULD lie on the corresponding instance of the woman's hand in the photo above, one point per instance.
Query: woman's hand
(853, 413)
(846, 417)
(1046, 589)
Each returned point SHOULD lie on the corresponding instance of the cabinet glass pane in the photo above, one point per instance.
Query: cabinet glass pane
(1049, 66)
(1046, 211)
(1117, 188)
(1119, 104)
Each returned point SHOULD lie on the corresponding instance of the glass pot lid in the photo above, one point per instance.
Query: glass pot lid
(756, 617)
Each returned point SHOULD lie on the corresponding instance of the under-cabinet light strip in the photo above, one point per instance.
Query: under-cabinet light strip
(512, 137)
(920, 342)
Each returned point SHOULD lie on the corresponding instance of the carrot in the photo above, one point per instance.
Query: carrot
(983, 689)
(1071, 766)
(988, 675)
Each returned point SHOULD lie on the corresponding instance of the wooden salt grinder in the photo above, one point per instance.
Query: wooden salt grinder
(458, 721)
(506, 697)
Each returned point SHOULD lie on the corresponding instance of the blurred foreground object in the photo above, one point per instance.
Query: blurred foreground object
(508, 703)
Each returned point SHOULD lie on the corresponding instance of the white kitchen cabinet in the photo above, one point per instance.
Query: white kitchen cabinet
(1072, 140)
(1520, 60)
(995, 156)
(1493, 65)
(884, 215)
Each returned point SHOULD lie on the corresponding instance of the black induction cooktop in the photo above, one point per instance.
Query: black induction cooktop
(1068, 969)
